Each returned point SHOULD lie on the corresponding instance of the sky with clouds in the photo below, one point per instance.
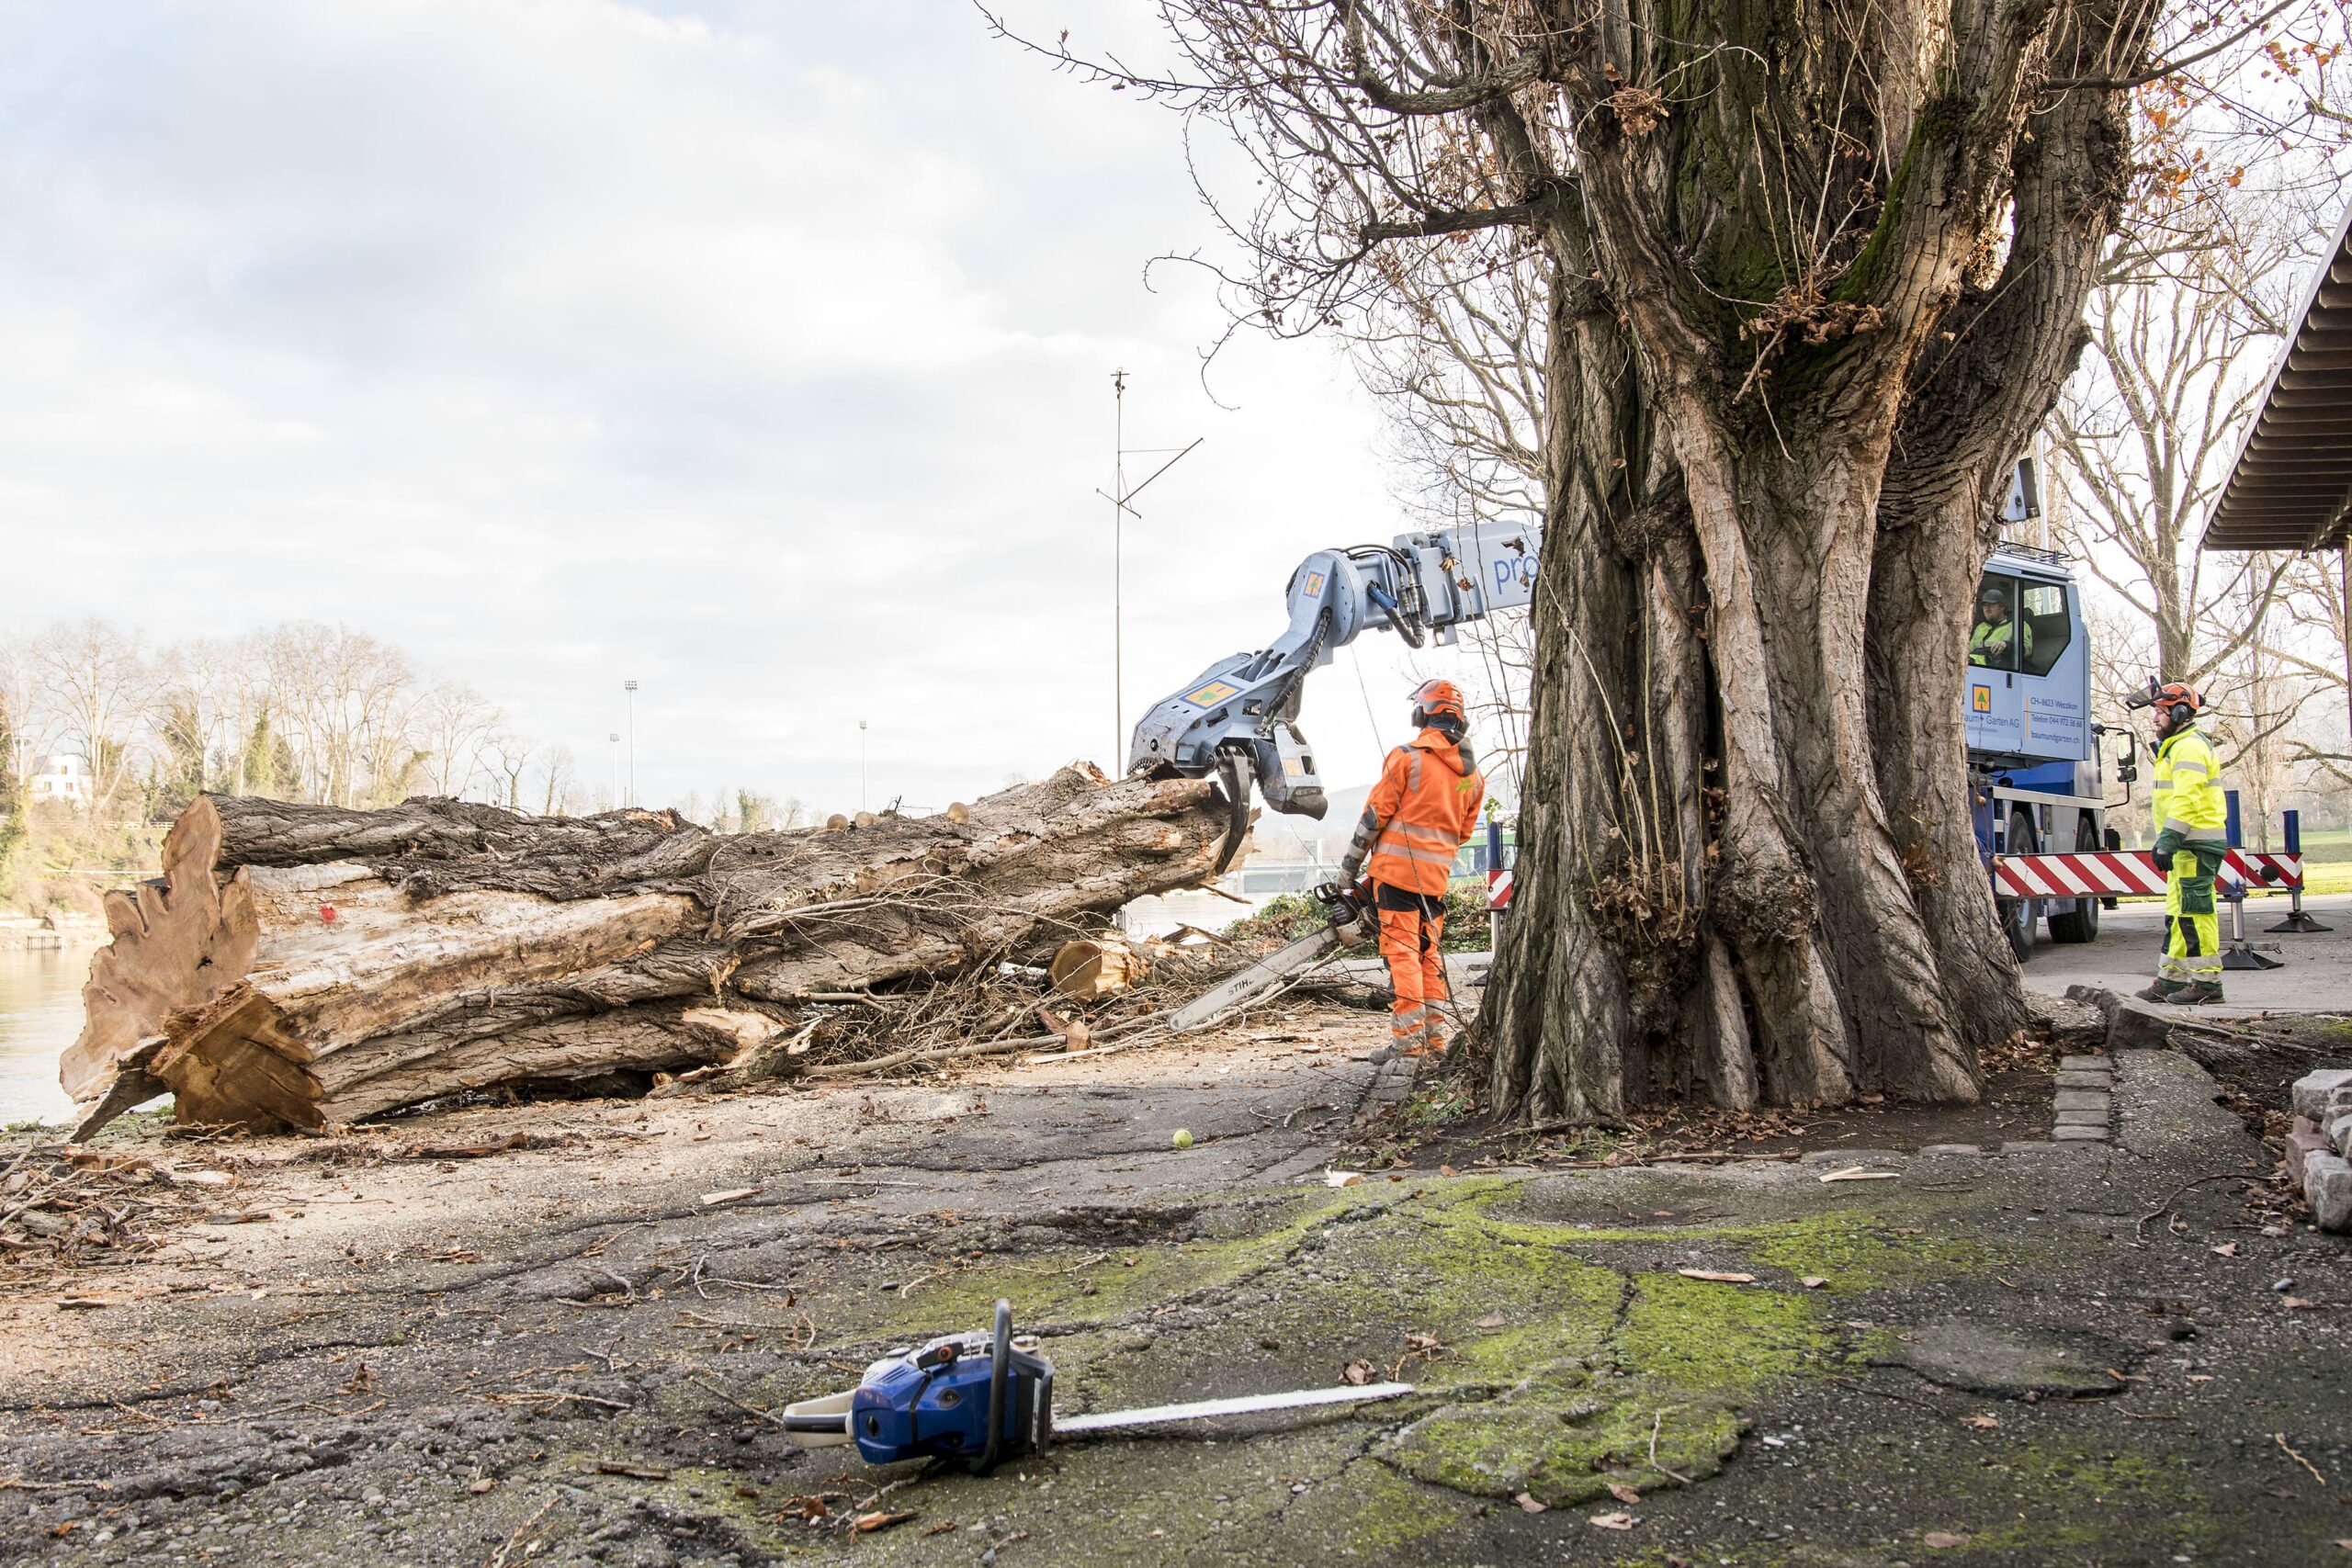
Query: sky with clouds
(757, 352)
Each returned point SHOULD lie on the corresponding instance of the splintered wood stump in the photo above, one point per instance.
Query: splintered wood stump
(303, 965)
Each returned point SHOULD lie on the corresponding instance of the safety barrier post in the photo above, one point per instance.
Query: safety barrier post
(2295, 921)
(1494, 864)
(2236, 952)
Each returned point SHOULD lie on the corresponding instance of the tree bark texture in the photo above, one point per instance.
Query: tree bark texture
(1777, 442)
(301, 965)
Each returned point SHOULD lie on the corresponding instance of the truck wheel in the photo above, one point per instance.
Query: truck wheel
(2076, 920)
(2019, 914)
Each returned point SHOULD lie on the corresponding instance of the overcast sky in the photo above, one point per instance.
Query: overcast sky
(760, 353)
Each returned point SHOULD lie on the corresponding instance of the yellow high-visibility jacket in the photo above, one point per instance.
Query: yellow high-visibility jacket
(2189, 787)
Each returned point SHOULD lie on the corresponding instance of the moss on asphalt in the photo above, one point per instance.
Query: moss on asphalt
(1553, 1356)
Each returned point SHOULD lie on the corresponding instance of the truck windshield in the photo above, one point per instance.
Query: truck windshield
(1999, 634)
(2042, 624)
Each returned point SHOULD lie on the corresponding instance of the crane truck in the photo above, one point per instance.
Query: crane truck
(2034, 761)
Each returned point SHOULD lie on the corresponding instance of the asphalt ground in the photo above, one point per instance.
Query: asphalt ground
(2022, 1353)
(2315, 976)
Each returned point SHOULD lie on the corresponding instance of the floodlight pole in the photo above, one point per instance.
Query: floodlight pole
(1119, 495)
(630, 687)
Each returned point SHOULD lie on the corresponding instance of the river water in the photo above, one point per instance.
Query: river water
(41, 1012)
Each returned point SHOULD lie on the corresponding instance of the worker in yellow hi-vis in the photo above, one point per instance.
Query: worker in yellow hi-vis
(2192, 837)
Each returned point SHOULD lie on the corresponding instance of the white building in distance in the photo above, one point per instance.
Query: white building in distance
(65, 779)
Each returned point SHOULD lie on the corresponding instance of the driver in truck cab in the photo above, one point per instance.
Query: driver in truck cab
(1998, 638)
(1419, 814)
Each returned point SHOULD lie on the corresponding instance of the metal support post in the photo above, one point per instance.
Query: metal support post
(1494, 864)
(2237, 952)
(2297, 921)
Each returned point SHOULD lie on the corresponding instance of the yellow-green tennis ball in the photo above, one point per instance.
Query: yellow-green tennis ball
(1183, 1140)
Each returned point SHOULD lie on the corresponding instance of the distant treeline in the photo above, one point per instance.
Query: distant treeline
(301, 711)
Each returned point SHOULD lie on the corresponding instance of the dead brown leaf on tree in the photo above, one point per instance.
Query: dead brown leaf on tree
(1638, 109)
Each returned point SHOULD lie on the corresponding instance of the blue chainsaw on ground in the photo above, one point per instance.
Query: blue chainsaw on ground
(983, 1398)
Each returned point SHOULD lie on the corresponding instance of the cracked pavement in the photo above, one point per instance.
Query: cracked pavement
(566, 1353)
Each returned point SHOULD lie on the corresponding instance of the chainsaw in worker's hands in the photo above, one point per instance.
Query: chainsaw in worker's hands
(1348, 921)
(986, 1397)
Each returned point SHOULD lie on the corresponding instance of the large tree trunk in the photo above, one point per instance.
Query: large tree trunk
(305, 965)
(1747, 871)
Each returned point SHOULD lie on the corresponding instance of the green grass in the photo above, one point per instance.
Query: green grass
(2327, 846)
(2326, 876)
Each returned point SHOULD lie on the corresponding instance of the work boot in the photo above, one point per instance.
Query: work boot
(2162, 991)
(1438, 1042)
(2196, 993)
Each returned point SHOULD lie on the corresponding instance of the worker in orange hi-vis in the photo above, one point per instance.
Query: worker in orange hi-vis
(1420, 812)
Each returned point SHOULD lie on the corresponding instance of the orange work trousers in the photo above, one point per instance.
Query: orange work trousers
(1410, 925)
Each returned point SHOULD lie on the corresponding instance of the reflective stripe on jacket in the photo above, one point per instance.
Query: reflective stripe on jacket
(1420, 814)
(2189, 787)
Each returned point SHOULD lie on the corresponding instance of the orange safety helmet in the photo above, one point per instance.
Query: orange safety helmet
(1438, 699)
(2174, 701)
(2179, 700)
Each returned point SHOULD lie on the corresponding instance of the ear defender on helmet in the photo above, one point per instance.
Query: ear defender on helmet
(1434, 700)
(2176, 702)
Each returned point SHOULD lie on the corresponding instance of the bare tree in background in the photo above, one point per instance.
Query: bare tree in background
(452, 722)
(24, 724)
(504, 756)
(2319, 648)
(2141, 444)
(345, 700)
(99, 682)
(559, 777)
(1453, 349)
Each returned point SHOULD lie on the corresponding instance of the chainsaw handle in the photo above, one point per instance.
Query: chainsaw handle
(999, 1369)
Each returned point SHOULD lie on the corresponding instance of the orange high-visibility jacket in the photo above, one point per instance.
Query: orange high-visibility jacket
(1420, 812)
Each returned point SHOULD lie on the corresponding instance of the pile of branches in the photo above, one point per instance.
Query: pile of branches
(994, 1010)
(63, 1207)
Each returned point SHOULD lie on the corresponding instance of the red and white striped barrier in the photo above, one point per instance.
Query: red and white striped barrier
(2121, 872)
(2254, 870)
(1499, 889)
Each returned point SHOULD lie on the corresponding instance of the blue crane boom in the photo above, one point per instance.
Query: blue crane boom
(1238, 718)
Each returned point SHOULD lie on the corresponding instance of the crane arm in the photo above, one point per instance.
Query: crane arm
(1238, 718)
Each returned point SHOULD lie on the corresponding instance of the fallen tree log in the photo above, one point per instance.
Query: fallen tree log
(301, 966)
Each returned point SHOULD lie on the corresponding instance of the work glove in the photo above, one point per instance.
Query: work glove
(2169, 842)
